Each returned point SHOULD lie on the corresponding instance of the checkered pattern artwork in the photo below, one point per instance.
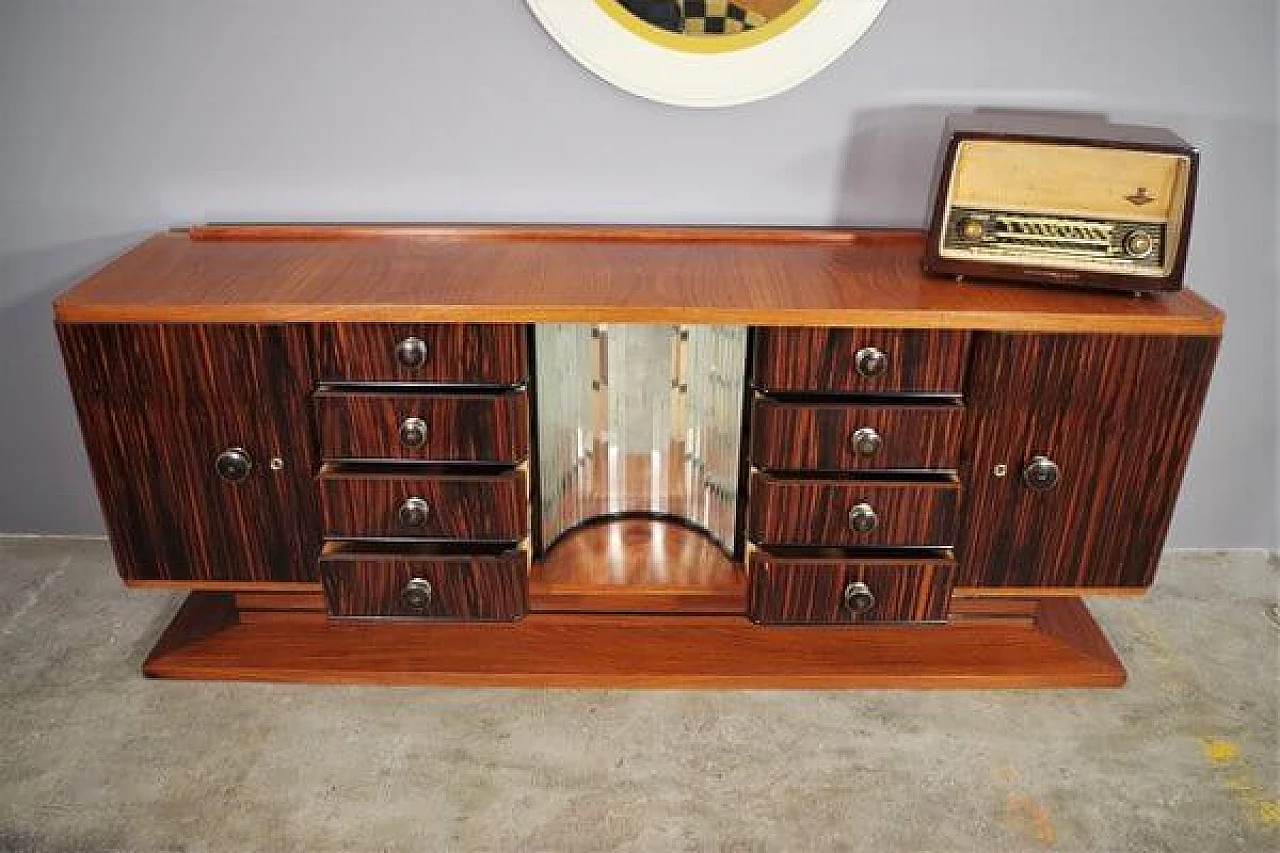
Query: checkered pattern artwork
(718, 17)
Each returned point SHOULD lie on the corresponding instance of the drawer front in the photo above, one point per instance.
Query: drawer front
(479, 508)
(475, 588)
(793, 437)
(465, 353)
(423, 427)
(786, 591)
(836, 360)
(851, 513)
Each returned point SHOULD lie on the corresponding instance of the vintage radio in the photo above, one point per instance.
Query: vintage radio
(1062, 200)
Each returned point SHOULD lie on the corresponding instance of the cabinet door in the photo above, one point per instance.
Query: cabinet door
(158, 404)
(1116, 415)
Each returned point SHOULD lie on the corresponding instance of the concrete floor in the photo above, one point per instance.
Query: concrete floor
(95, 758)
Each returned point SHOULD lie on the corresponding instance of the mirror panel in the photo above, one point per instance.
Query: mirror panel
(640, 419)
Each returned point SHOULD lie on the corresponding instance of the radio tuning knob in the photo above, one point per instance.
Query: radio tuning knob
(1139, 244)
(971, 229)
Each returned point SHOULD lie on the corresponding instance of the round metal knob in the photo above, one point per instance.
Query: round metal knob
(971, 228)
(413, 432)
(1139, 244)
(858, 597)
(870, 361)
(416, 594)
(233, 465)
(411, 352)
(866, 441)
(863, 519)
(414, 512)
(1041, 474)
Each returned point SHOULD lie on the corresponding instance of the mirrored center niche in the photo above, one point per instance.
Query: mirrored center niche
(640, 420)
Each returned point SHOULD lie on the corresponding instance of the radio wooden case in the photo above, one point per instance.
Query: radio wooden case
(1062, 200)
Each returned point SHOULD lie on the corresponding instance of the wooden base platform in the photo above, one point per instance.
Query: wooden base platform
(1060, 646)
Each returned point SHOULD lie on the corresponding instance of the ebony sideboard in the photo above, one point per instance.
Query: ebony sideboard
(626, 456)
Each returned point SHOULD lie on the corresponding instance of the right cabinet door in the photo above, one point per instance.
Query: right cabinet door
(1076, 446)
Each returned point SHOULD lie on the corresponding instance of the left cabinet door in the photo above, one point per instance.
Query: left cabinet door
(200, 441)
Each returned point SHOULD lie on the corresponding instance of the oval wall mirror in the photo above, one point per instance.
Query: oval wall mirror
(706, 53)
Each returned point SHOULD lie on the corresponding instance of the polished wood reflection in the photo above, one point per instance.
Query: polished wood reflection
(638, 566)
(503, 274)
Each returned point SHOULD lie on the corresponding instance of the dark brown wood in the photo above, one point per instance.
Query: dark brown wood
(157, 404)
(637, 566)
(1063, 647)
(460, 427)
(869, 278)
(466, 353)
(818, 436)
(824, 360)
(1117, 414)
(481, 507)
(463, 587)
(791, 511)
(1086, 130)
(808, 590)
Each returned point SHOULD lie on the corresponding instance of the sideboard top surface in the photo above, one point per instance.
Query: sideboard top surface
(750, 276)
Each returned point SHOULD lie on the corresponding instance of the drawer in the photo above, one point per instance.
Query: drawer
(847, 512)
(815, 590)
(416, 506)
(464, 353)
(423, 427)
(489, 585)
(860, 361)
(833, 437)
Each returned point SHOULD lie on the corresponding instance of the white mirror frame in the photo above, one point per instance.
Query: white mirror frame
(705, 79)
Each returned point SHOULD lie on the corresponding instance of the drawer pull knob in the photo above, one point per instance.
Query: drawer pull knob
(858, 597)
(233, 465)
(866, 441)
(863, 519)
(414, 512)
(1041, 474)
(411, 352)
(416, 594)
(413, 432)
(871, 362)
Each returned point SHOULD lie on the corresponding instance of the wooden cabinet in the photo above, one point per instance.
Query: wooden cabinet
(158, 406)
(927, 474)
(1115, 414)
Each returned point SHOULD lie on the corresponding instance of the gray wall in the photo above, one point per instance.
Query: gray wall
(119, 117)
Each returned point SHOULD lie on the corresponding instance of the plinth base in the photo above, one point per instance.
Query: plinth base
(1060, 645)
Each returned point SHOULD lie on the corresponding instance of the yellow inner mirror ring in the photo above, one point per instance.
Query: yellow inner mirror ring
(712, 42)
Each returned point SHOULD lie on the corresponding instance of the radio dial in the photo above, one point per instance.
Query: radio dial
(1139, 244)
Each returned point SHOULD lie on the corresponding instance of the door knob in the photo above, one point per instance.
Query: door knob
(413, 432)
(870, 361)
(416, 594)
(866, 441)
(414, 512)
(863, 519)
(1041, 474)
(411, 352)
(858, 597)
(233, 465)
